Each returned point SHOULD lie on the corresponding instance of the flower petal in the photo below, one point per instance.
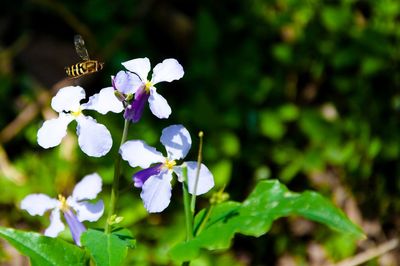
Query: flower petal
(87, 188)
(56, 225)
(87, 211)
(134, 111)
(177, 141)
(156, 192)
(138, 153)
(126, 82)
(168, 70)
(53, 131)
(140, 66)
(206, 179)
(141, 176)
(93, 138)
(75, 226)
(158, 104)
(103, 102)
(68, 98)
(38, 204)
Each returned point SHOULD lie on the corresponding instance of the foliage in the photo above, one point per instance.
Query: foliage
(269, 201)
(44, 250)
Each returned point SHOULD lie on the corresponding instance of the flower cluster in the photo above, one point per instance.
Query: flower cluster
(129, 93)
(155, 181)
(76, 208)
(135, 82)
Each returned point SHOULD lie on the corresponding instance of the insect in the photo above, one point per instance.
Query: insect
(85, 67)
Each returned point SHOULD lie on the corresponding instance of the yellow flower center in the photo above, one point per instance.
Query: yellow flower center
(147, 86)
(169, 164)
(63, 203)
(77, 112)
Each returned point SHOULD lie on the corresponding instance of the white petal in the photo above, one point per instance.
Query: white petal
(38, 204)
(53, 131)
(127, 82)
(56, 225)
(138, 153)
(105, 101)
(93, 138)
(158, 105)
(206, 179)
(87, 211)
(87, 188)
(68, 98)
(177, 141)
(156, 192)
(168, 70)
(140, 66)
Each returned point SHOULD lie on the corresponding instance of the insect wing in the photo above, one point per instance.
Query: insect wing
(80, 47)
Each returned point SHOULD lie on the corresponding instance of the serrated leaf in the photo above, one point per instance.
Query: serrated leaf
(43, 250)
(107, 249)
(269, 201)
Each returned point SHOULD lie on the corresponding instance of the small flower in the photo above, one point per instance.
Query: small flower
(155, 181)
(127, 84)
(93, 138)
(76, 208)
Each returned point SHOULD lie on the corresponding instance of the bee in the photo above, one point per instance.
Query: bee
(85, 67)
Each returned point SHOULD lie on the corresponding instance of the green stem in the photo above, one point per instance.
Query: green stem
(204, 220)
(199, 158)
(186, 203)
(115, 185)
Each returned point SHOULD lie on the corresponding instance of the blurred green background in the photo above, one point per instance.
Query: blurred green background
(303, 91)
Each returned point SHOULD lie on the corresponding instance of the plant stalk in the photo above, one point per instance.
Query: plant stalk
(186, 203)
(115, 185)
(199, 159)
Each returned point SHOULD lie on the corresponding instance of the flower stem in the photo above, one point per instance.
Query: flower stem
(199, 158)
(186, 203)
(115, 185)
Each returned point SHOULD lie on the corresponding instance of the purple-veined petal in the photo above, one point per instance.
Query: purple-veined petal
(68, 98)
(134, 111)
(38, 204)
(103, 102)
(75, 226)
(138, 153)
(140, 66)
(156, 192)
(158, 104)
(56, 225)
(177, 141)
(93, 138)
(53, 131)
(168, 70)
(126, 82)
(206, 179)
(87, 211)
(141, 176)
(87, 188)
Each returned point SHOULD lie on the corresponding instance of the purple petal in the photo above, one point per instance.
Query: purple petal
(140, 177)
(135, 110)
(76, 227)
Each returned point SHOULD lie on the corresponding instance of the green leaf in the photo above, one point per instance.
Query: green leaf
(43, 250)
(108, 249)
(269, 201)
(271, 125)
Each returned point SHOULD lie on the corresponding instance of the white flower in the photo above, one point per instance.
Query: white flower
(155, 181)
(144, 89)
(76, 208)
(94, 139)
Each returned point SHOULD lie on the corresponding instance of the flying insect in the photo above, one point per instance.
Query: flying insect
(85, 67)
